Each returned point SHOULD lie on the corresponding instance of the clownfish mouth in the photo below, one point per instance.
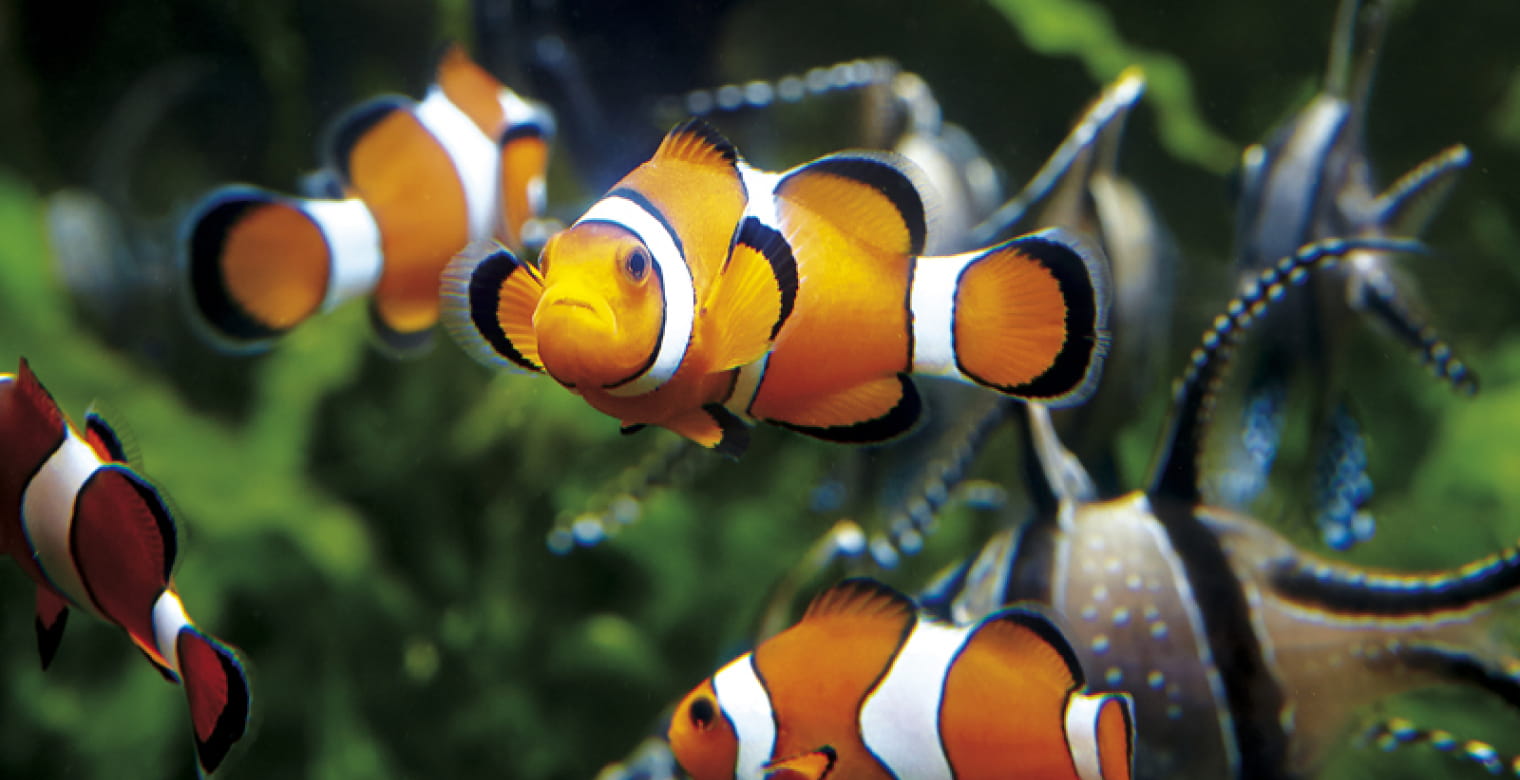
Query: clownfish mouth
(573, 302)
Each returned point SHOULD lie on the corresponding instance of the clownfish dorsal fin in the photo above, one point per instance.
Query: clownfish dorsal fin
(52, 616)
(114, 443)
(1025, 637)
(754, 295)
(470, 87)
(352, 127)
(861, 597)
(488, 301)
(876, 198)
(37, 397)
(696, 141)
(873, 411)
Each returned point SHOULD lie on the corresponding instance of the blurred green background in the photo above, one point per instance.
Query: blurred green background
(371, 533)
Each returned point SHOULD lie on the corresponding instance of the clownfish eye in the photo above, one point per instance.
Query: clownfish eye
(636, 264)
(702, 713)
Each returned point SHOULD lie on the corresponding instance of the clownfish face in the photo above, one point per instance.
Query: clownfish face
(701, 737)
(602, 310)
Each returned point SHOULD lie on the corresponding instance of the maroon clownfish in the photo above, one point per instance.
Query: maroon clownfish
(864, 688)
(700, 294)
(418, 181)
(96, 536)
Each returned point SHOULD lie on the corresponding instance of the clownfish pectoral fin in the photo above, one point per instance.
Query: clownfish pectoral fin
(112, 443)
(715, 427)
(260, 264)
(755, 294)
(873, 411)
(696, 141)
(876, 198)
(813, 765)
(52, 616)
(1028, 318)
(1100, 733)
(488, 301)
(861, 597)
(217, 689)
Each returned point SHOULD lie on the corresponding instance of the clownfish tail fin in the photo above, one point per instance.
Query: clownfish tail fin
(488, 301)
(1100, 733)
(52, 617)
(259, 263)
(217, 688)
(1028, 317)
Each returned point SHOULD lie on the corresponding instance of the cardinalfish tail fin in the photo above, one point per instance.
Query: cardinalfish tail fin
(1100, 733)
(260, 263)
(1028, 318)
(488, 301)
(1394, 733)
(217, 688)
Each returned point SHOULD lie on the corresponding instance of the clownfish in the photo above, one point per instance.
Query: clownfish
(865, 687)
(418, 181)
(701, 293)
(96, 536)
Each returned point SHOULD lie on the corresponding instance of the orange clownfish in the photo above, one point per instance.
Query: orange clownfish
(864, 688)
(419, 181)
(96, 536)
(700, 294)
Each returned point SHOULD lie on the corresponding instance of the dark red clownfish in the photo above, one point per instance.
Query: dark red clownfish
(96, 536)
(700, 294)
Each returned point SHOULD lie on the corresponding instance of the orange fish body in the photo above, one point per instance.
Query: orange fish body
(419, 181)
(865, 689)
(94, 535)
(700, 294)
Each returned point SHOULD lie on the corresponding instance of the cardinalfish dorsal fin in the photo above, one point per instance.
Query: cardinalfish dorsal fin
(52, 617)
(488, 301)
(753, 296)
(861, 597)
(1176, 474)
(873, 411)
(1028, 318)
(876, 198)
(216, 687)
(1387, 735)
(123, 543)
(696, 141)
(260, 264)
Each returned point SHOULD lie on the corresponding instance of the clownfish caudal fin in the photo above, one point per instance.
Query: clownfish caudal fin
(712, 426)
(488, 301)
(878, 199)
(52, 616)
(1100, 733)
(259, 263)
(873, 411)
(755, 295)
(1028, 317)
(217, 689)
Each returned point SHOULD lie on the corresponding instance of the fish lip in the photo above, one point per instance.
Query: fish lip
(573, 303)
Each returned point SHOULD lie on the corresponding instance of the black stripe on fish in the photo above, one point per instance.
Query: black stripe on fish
(735, 433)
(352, 127)
(778, 252)
(1342, 589)
(487, 279)
(523, 130)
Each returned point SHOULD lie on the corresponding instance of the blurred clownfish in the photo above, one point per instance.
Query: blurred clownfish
(417, 182)
(864, 687)
(96, 536)
(701, 293)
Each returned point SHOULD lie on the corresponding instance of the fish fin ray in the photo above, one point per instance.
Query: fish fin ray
(754, 296)
(1025, 635)
(488, 301)
(698, 142)
(876, 198)
(216, 686)
(715, 427)
(861, 597)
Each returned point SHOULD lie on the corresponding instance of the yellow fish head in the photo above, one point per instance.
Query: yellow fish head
(600, 317)
(700, 736)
